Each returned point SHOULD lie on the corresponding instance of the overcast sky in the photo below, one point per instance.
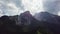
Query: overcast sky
(52, 6)
(14, 7)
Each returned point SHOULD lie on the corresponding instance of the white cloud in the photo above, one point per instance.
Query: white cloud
(9, 8)
(33, 6)
(1, 13)
(14, 7)
(59, 13)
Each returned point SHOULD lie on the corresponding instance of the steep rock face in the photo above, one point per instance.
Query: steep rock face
(23, 18)
(28, 21)
(19, 22)
(26, 18)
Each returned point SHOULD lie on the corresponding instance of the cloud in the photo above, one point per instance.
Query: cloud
(1, 13)
(14, 7)
(52, 6)
(33, 6)
(11, 7)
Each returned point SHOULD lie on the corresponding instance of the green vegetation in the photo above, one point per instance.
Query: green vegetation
(38, 32)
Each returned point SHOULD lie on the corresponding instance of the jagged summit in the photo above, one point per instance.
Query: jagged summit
(26, 17)
(26, 13)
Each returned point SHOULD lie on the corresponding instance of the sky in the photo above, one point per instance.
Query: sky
(10, 7)
(16, 7)
(52, 6)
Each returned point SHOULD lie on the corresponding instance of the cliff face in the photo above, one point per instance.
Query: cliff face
(18, 23)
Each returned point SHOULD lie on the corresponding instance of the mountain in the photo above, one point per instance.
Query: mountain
(19, 23)
(33, 24)
(26, 23)
(45, 16)
(27, 17)
(24, 18)
(6, 24)
(52, 22)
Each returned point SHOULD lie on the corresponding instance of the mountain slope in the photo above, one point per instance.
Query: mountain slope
(45, 16)
(52, 22)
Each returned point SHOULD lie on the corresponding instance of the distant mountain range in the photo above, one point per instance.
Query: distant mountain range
(44, 22)
(19, 22)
